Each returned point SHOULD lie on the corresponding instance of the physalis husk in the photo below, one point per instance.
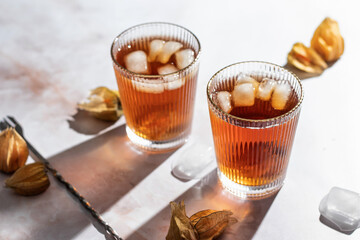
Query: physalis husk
(103, 104)
(327, 40)
(306, 59)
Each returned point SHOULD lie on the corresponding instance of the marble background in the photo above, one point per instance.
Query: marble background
(53, 52)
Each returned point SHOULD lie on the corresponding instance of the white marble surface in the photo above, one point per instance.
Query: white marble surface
(53, 52)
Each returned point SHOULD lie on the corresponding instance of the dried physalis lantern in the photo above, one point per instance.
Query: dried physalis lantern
(327, 40)
(203, 225)
(29, 180)
(209, 224)
(326, 45)
(306, 59)
(13, 151)
(103, 104)
(180, 225)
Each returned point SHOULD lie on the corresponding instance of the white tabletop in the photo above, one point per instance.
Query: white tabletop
(53, 52)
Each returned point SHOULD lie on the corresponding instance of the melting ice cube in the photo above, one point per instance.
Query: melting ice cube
(183, 165)
(171, 84)
(136, 62)
(243, 95)
(166, 69)
(341, 207)
(184, 58)
(169, 49)
(280, 95)
(149, 86)
(172, 81)
(155, 48)
(243, 78)
(266, 88)
(224, 99)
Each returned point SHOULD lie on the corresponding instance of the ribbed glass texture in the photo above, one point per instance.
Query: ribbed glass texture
(253, 155)
(158, 108)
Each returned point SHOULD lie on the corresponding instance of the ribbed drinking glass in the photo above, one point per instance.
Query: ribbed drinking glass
(158, 108)
(253, 153)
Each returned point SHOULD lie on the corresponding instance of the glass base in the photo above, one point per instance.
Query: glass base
(155, 145)
(250, 192)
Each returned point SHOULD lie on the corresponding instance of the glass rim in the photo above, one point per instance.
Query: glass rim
(255, 120)
(147, 76)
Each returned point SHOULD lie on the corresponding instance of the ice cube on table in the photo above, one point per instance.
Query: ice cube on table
(280, 95)
(137, 62)
(184, 58)
(243, 95)
(155, 47)
(166, 69)
(341, 207)
(224, 100)
(169, 49)
(193, 161)
(243, 78)
(265, 89)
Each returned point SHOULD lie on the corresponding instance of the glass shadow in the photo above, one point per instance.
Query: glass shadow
(209, 194)
(103, 170)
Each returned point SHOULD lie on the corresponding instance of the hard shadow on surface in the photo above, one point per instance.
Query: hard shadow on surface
(301, 74)
(208, 194)
(305, 75)
(82, 122)
(49, 215)
(103, 170)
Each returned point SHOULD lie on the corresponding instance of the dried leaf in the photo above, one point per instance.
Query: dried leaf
(327, 40)
(103, 103)
(209, 224)
(306, 59)
(180, 225)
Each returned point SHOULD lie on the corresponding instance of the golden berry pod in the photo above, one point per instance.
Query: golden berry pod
(103, 104)
(306, 59)
(29, 180)
(13, 151)
(327, 40)
(203, 225)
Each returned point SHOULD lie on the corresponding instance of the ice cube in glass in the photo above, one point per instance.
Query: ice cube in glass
(136, 62)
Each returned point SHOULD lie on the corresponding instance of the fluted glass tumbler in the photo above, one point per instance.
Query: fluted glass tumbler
(253, 143)
(158, 107)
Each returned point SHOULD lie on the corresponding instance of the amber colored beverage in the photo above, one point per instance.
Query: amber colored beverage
(253, 144)
(158, 108)
(159, 114)
(257, 151)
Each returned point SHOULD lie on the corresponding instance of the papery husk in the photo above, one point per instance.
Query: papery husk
(327, 40)
(203, 225)
(180, 225)
(103, 104)
(306, 59)
(29, 180)
(13, 151)
(196, 217)
(209, 224)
